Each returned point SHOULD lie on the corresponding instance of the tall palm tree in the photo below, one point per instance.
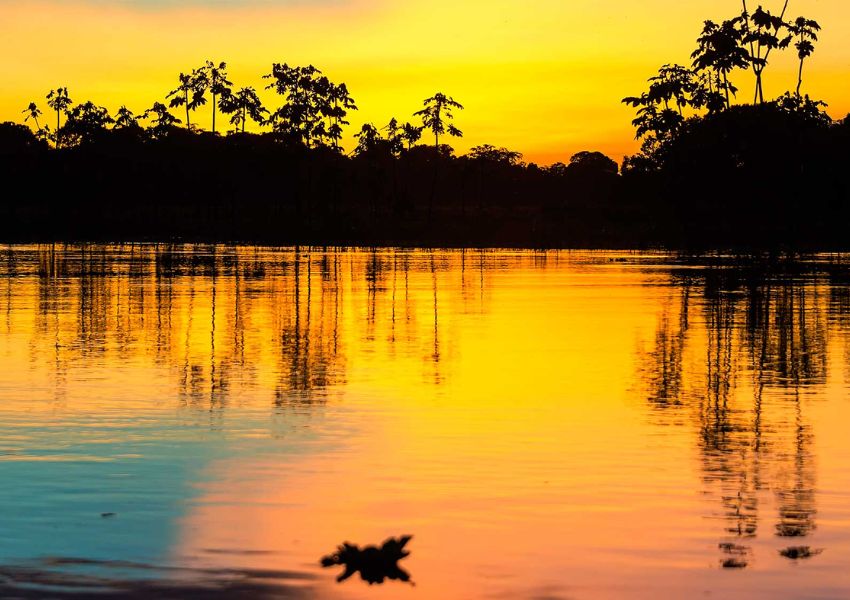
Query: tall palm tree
(761, 31)
(59, 101)
(437, 113)
(189, 94)
(219, 85)
(336, 107)
(806, 32)
(212, 77)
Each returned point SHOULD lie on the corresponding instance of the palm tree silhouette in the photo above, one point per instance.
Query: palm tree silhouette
(244, 105)
(437, 111)
(219, 85)
(125, 119)
(212, 77)
(660, 123)
(368, 139)
(336, 107)
(190, 93)
(411, 134)
(719, 49)
(761, 32)
(301, 112)
(673, 83)
(33, 113)
(394, 136)
(708, 93)
(59, 101)
(806, 32)
(161, 119)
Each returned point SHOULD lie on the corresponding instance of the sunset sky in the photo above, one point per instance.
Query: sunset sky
(544, 77)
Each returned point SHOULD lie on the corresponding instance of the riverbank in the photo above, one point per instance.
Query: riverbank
(256, 189)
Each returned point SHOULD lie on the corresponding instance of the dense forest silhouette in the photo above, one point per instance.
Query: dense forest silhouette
(710, 172)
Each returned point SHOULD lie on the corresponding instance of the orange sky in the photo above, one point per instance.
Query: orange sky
(543, 77)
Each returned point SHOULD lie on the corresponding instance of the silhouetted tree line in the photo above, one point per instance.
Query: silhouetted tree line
(95, 175)
(710, 173)
(713, 173)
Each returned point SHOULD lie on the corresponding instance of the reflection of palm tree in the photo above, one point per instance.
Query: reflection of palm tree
(797, 503)
(435, 357)
(665, 371)
(786, 341)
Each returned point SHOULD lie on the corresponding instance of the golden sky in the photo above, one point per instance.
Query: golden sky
(544, 77)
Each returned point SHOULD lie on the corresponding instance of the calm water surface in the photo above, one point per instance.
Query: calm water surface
(547, 425)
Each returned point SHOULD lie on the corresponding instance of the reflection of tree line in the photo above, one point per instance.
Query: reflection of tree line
(770, 334)
(207, 313)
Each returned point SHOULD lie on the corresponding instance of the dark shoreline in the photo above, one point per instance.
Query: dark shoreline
(720, 186)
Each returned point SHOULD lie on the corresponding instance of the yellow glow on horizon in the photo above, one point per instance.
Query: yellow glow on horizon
(544, 78)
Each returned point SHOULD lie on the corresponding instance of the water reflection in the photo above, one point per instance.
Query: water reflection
(122, 579)
(763, 338)
(240, 410)
(196, 309)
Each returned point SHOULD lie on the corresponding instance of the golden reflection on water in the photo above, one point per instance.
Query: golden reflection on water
(556, 425)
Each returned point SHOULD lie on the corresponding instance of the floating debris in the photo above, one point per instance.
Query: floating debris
(373, 563)
(791, 530)
(733, 563)
(731, 548)
(798, 552)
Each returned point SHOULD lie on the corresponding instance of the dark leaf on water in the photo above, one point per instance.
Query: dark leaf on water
(375, 564)
(799, 552)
